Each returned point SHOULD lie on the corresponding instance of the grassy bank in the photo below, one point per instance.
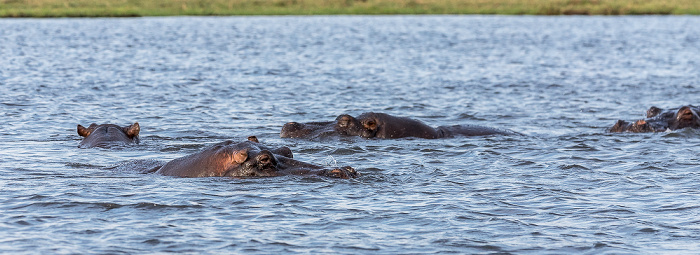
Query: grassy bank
(121, 8)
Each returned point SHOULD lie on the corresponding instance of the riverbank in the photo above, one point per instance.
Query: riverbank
(131, 8)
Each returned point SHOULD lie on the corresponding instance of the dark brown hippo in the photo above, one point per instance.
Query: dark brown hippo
(309, 129)
(659, 120)
(382, 125)
(106, 135)
(246, 159)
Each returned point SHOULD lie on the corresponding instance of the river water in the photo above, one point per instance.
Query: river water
(565, 186)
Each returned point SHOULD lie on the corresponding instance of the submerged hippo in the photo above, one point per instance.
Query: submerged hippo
(659, 120)
(248, 158)
(382, 125)
(106, 135)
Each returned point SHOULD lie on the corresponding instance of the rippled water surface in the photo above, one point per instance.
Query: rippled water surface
(564, 187)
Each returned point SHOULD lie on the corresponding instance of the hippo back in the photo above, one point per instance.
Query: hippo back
(471, 130)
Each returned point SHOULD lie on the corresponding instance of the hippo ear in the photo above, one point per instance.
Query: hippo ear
(653, 111)
(240, 156)
(252, 138)
(83, 131)
(133, 130)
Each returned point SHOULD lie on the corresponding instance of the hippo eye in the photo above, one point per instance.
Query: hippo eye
(370, 125)
(266, 160)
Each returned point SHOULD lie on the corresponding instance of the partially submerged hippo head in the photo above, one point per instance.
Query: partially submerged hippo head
(367, 125)
(106, 135)
(384, 126)
(344, 125)
(659, 120)
(311, 129)
(246, 159)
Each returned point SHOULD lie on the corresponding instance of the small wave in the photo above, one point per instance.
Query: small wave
(137, 166)
(81, 165)
(156, 206)
(179, 147)
(677, 209)
(71, 204)
(683, 133)
(15, 104)
(573, 167)
(104, 206)
(348, 151)
(648, 230)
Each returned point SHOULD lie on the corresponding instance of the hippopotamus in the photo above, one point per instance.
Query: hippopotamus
(106, 135)
(245, 159)
(382, 125)
(659, 120)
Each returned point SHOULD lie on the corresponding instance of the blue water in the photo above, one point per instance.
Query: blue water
(566, 186)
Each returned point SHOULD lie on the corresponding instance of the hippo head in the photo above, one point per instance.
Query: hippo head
(367, 125)
(659, 120)
(105, 135)
(245, 159)
(640, 126)
(685, 117)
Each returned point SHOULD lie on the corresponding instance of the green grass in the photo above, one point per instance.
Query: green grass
(131, 8)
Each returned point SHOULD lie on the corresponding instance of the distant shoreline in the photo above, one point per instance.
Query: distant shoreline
(129, 8)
